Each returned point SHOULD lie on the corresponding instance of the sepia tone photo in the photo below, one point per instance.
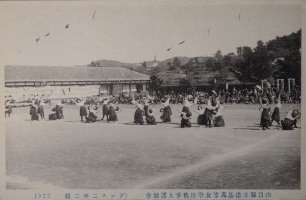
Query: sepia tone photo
(151, 95)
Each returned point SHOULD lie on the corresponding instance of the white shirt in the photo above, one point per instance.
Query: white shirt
(219, 113)
(289, 114)
(279, 105)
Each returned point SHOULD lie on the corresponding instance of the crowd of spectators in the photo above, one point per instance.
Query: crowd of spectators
(232, 96)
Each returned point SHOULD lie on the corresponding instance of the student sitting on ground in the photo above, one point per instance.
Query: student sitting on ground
(219, 121)
(150, 118)
(185, 121)
(291, 119)
(92, 111)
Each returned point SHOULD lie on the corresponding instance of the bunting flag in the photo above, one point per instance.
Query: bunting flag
(208, 31)
(169, 49)
(67, 26)
(181, 42)
(37, 40)
(239, 16)
(94, 14)
(47, 34)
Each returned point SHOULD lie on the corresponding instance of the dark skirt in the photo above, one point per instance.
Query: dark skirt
(287, 124)
(112, 115)
(146, 110)
(208, 115)
(83, 111)
(54, 116)
(91, 117)
(40, 110)
(151, 120)
(265, 118)
(34, 117)
(275, 114)
(138, 116)
(166, 117)
(9, 110)
(105, 110)
(185, 123)
(200, 120)
(219, 121)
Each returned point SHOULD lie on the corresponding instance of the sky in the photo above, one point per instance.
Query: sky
(136, 31)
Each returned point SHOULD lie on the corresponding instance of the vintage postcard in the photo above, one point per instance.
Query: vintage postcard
(153, 100)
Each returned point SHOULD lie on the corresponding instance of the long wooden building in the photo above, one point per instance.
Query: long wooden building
(108, 80)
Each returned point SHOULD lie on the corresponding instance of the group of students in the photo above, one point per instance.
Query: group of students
(37, 110)
(212, 114)
(267, 117)
(89, 114)
(209, 116)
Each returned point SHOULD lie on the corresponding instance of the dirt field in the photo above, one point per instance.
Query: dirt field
(70, 154)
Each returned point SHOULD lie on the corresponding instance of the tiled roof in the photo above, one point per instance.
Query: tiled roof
(58, 73)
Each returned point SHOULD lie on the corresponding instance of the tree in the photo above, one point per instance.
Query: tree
(156, 83)
(176, 63)
(185, 85)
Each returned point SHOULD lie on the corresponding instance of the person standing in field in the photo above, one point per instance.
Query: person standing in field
(33, 112)
(276, 112)
(112, 113)
(219, 120)
(138, 115)
(40, 109)
(211, 106)
(8, 108)
(166, 116)
(105, 109)
(83, 110)
(265, 114)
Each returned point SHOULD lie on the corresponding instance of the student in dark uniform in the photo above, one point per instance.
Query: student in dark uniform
(265, 114)
(8, 108)
(185, 121)
(40, 109)
(186, 114)
(105, 110)
(92, 111)
(138, 115)
(33, 112)
(146, 107)
(218, 120)
(150, 118)
(291, 119)
(166, 116)
(200, 118)
(112, 113)
(58, 113)
(83, 111)
(208, 113)
(276, 114)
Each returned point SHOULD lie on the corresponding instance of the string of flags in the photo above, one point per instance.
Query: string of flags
(93, 17)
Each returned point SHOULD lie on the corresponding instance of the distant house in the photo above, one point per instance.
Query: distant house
(151, 67)
(108, 80)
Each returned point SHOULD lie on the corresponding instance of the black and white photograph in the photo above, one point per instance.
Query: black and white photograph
(152, 100)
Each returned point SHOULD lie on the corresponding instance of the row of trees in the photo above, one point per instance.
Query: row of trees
(277, 58)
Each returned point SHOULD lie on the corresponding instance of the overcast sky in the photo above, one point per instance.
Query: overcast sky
(131, 32)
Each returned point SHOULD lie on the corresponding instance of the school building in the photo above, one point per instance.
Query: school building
(95, 80)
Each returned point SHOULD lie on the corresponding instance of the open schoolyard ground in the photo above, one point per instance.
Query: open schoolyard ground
(70, 154)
